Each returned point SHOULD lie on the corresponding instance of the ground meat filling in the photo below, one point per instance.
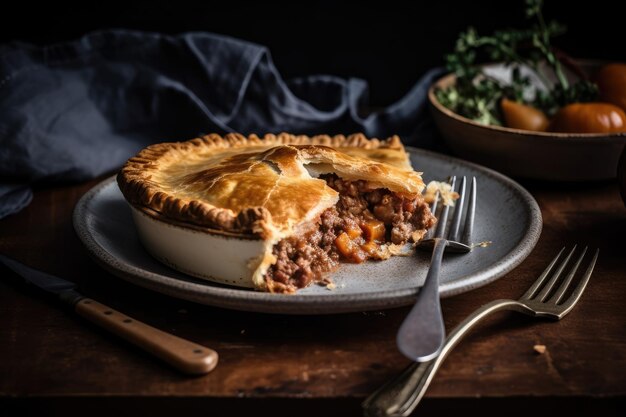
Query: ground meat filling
(358, 228)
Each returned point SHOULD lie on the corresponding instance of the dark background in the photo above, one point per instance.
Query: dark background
(387, 43)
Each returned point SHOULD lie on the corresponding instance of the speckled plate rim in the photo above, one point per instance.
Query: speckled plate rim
(253, 301)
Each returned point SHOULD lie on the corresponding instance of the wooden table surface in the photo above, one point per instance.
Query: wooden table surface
(52, 361)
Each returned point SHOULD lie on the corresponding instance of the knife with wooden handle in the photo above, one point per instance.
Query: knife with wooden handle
(186, 356)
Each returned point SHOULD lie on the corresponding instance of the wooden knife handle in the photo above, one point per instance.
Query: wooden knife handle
(186, 356)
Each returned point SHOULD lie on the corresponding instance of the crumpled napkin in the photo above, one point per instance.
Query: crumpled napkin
(76, 110)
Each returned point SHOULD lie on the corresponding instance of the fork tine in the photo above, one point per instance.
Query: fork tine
(433, 206)
(567, 281)
(453, 234)
(578, 291)
(443, 218)
(469, 217)
(433, 210)
(546, 288)
(539, 281)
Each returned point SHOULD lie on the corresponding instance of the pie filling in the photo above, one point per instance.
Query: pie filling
(366, 223)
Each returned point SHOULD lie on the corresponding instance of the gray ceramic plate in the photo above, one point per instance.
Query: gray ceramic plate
(507, 215)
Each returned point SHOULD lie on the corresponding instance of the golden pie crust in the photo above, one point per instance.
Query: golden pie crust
(262, 188)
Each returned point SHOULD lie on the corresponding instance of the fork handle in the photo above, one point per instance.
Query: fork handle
(400, 396)
(422, 332)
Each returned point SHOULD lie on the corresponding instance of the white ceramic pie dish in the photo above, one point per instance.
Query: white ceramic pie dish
(219, 257)
(242, 195)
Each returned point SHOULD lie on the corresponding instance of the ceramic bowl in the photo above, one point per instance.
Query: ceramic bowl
(526, 154)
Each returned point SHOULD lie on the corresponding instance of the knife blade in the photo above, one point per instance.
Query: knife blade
(184, 355)
(41, 279)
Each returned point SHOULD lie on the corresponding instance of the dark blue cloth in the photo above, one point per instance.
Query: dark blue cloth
(73, 111)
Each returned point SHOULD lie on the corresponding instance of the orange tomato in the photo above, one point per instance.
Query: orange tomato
(611, 80)
(589, 118)
(522, 116)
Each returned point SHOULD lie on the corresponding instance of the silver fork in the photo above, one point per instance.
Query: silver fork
(422, 333)
(400, 396)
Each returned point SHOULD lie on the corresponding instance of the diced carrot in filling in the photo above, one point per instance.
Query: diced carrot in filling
(349, 249)
(369, 247)
(353, 230)
(344, 244)
(374, 230)
(358, 246)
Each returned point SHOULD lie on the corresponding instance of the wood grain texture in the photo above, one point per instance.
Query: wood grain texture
(46, 351)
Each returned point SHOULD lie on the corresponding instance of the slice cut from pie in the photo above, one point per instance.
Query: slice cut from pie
(274, 213)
